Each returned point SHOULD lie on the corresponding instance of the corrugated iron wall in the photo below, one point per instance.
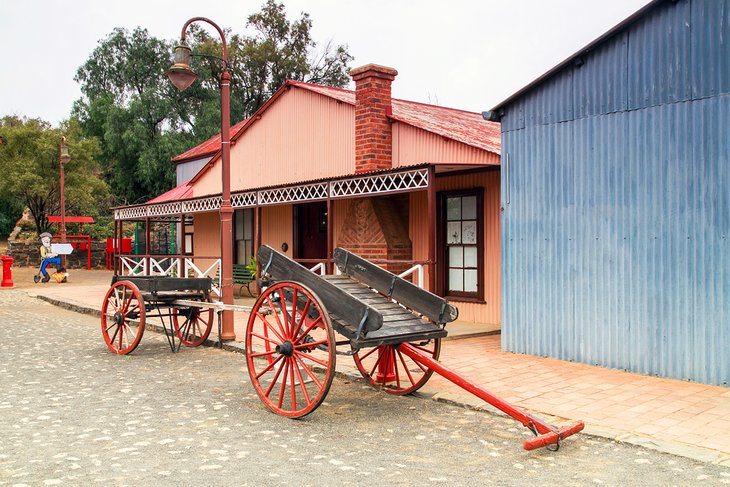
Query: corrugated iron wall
(616, 197)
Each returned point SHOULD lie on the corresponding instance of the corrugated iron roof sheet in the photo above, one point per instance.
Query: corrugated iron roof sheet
(183, 191)
(207, 148)
(467, 127)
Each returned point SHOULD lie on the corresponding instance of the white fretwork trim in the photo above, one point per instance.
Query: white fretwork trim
(291, 194)
(396, 182)
(243, 200)
(212, 203)
(380, 183)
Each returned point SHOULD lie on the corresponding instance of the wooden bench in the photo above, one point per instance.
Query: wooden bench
(241, 276)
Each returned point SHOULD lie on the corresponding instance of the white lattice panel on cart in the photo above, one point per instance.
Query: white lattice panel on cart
(212, 203)
(381, 183)
(306, 192)
(243, 200)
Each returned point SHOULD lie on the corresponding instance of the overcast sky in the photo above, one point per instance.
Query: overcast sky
(467, 54)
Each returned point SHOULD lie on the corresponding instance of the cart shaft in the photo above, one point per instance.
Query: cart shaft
(546, 434)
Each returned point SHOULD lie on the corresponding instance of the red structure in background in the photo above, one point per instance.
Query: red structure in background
(79, 242)
(7, 261)
(111, 249)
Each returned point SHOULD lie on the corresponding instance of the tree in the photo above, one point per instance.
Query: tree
(142, 121)
(29, 162)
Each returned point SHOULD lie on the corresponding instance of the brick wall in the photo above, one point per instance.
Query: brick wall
(373, 133)
(377, 228)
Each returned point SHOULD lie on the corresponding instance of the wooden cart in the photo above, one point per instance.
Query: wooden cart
(391, 327)
(182, 305)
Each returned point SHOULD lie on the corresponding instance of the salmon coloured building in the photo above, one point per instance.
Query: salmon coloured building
(410, 186)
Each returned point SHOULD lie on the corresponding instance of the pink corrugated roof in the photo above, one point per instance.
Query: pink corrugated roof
(181, 192)
(207, 148)
(467, 127)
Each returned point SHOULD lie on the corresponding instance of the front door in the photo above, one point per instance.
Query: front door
(310, 232)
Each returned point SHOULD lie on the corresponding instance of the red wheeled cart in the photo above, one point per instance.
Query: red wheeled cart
(393, 330)
(182, 305)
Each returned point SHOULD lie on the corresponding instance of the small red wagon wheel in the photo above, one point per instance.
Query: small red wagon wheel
(192, 325)
(122, 317)
(290, 349)
(387, 368)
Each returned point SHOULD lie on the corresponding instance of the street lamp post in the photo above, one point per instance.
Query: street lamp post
(182, 77)
(63, 158)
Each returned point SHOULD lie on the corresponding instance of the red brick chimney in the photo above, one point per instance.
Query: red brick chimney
(373, 134)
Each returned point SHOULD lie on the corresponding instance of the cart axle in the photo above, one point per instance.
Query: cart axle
(545, 434)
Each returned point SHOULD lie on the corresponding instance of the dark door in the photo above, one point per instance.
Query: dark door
(310, 231)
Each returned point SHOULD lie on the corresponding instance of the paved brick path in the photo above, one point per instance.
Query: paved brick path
(679, 417)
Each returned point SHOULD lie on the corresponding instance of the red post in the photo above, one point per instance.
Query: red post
(63, 159)
(7, 271)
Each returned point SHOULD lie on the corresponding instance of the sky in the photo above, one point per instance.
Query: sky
(466, 54)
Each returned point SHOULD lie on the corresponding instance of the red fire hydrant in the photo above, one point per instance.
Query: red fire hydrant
(7, 272)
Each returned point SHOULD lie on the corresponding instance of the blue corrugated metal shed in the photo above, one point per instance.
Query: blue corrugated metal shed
(616, 198)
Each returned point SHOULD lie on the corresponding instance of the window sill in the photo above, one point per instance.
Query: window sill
(463, 299)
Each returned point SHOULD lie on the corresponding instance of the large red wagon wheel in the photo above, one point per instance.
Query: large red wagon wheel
(122, 317)
(395, 372)
(192, 325)
(290, 349)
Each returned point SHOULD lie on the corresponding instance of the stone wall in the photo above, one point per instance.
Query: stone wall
(25, 254)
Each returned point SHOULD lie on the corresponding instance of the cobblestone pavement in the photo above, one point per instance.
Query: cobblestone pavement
(72, 413)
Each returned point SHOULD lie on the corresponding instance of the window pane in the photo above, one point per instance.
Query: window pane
(453, 233)
(469, 232)
(248, 223)
(469, 208)
(456, 256)
(453, 208)
(238, 215)
(456, 280)
(470, 256)
(470, 280)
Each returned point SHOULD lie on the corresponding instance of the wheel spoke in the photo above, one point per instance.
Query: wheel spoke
(313, 359)
(405, 367)
(270, 327)
(310, 345)
(377, 361)
(301, 381)
(311, 326)
(307, 370)
(291, 384)
(269, 367)
(267, 339)
(283, 383)
(276, 314)
(305, 310)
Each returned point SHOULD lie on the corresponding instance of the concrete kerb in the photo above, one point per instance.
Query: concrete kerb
(463, 400)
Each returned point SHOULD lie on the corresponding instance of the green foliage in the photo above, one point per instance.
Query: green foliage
(11, 209)
(142, 121)
(251, 266)
(102, 229)
(29, 163)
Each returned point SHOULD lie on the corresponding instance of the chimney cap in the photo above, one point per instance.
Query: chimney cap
(373, 70)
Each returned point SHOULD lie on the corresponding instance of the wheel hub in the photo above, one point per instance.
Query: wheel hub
(286, 349)
(118, 318)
